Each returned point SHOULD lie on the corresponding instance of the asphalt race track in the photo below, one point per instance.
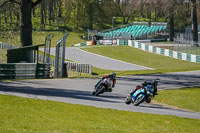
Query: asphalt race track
(81, 56)
(78, 91)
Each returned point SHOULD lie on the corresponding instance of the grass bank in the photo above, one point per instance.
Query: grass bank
(161, 64)
(3, 57)
(34, 116)
(13, 37)
(186, 98)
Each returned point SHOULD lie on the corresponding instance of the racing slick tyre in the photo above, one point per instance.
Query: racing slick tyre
(128, 100)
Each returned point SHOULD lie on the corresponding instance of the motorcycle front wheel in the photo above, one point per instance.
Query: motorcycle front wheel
(128, 100)
(139, 99)
(98, 91)
(93, 93)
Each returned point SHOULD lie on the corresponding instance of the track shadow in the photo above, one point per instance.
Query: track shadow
(113, 96)
(75, 94)
(184, 80)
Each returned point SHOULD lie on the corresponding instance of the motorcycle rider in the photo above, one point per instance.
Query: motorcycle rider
(111, 77)
(148, 85)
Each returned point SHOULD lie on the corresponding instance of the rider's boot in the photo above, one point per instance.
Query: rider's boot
(109, 89)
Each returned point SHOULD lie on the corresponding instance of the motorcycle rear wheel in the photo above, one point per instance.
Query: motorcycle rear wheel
(148, 99)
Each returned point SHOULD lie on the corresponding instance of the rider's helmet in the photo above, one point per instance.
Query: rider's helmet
(113, 75)
(144, 83)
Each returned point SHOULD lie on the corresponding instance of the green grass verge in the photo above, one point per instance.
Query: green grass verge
(22, 115)
(13, 37)
(186, 98)
(161, 64)
(3, 57)
(2, 53)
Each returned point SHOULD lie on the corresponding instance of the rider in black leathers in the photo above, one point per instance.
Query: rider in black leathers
(112, 77)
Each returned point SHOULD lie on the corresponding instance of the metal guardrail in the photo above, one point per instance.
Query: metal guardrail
(71, 66)
(43, 71)
(80, 68)
(6, 46)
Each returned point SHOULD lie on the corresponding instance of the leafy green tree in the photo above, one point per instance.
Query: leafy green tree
(26, 7)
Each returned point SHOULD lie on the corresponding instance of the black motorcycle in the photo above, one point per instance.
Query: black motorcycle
(102, 86)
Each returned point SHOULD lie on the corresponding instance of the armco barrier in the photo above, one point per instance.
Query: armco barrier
(24, 70)
(6, 45)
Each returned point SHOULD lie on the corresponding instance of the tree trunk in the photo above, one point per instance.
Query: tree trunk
(194, 21)
(33, 11)
(127, 20)
(77, 16)
(171, 22)
(5, 18)
(124, 19)
(149, 15)
(10, 14)
(0, 20)
(26, 27)
(11, 18)
(53, 10)
(42, 8)
(50, 10)
(26, 23)
(18, 19)
(59, 10)
(171, 27)
(91, 15)
(155, 10)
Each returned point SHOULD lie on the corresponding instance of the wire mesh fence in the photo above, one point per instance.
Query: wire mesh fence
(59, 70)
(47, 49)
(186, 46)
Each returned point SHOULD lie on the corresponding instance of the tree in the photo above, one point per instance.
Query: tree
(42, 10)
(171, 19)
(26, 7)
(194, 21)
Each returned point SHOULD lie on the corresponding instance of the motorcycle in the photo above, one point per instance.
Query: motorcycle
(142, 93)
(102, 86)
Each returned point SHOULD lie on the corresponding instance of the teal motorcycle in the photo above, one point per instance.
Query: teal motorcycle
(142, 93)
